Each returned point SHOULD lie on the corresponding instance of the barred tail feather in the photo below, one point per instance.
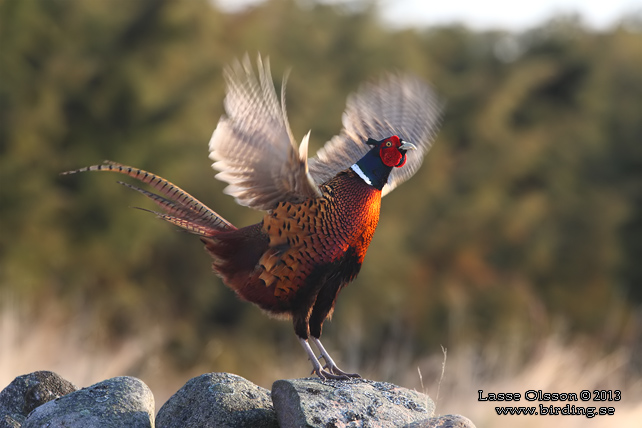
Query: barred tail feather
(181, 208)
(184, 223)
(200, 223)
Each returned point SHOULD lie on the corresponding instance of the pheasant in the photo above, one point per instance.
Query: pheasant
(320, 213)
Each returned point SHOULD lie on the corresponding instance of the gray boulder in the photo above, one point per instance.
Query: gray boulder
(446, 421)
(313, 402)
(27, 392)
(117, 402)
(218, 400)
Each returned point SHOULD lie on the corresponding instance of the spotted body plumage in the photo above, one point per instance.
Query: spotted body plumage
(321, 213)
(319, 231)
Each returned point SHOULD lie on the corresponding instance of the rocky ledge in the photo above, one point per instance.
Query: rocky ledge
(44, 399)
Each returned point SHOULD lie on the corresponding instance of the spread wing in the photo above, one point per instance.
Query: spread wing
(252, 145)
(397, 105)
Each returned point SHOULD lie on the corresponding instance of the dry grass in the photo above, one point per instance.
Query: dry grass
(50, 341)
(556, 368)
(53, 343)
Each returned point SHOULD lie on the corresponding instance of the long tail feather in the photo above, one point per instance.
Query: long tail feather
(205, 221)
(183, 223)
(182, 209)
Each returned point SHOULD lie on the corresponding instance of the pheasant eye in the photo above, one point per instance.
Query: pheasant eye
(388, 143)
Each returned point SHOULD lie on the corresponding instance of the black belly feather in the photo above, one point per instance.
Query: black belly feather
(315, 301)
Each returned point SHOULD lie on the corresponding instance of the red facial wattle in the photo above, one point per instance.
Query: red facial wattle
(390, 154)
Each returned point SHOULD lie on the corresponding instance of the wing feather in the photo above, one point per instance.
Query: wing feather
(252, 145)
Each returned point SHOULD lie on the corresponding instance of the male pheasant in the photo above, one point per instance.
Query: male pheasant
(321, 213)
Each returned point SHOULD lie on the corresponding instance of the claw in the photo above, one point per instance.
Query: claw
(324, 374)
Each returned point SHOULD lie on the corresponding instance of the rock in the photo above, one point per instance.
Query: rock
(345, 403)
(27, 392)
(116, 402)
(218, 400)
(446, 421)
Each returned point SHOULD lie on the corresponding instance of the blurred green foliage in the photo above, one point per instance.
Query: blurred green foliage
(526, 218)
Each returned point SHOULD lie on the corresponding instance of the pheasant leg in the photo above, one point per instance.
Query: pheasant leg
(329, 362)
(333, 373)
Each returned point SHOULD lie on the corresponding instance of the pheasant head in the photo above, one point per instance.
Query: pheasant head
(376, 165)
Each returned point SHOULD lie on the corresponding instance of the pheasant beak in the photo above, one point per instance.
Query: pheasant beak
(407, 146)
